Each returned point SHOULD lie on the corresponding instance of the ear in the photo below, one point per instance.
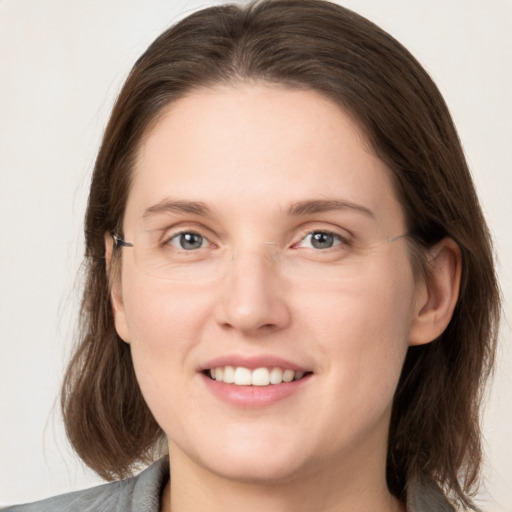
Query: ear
(116, 296)
(437, 294)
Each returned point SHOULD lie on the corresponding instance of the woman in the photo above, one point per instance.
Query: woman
(290, 282)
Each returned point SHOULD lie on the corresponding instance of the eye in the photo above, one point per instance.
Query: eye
(188, 241)
(321, 240)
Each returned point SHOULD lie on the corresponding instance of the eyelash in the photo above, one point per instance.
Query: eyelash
(338, 240)
(168, 239)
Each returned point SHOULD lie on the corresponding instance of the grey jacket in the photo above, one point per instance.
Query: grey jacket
(142, 494)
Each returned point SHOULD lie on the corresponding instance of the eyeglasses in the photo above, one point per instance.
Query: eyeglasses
(189, 255)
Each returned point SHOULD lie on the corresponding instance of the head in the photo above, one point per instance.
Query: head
(321, 52)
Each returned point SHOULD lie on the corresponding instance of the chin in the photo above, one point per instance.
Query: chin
(269, 458)
(257, 469)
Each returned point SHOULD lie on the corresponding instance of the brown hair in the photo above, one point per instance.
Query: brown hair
(318, 45)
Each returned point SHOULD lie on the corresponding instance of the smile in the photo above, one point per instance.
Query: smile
(241, 376)
(253, 382)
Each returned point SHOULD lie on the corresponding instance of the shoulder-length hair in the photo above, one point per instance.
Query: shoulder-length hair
(316, 45)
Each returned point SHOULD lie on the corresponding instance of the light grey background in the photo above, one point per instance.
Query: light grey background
(61, 66)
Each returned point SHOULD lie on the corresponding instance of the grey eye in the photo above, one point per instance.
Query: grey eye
(188, 241)
(321, 239)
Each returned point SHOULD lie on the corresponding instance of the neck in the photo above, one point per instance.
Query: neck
(195, 489)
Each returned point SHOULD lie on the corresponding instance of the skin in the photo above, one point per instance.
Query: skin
(249, 152)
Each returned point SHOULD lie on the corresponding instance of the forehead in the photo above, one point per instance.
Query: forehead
(258, 146)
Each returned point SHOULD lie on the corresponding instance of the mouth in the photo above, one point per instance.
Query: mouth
(256, 381)
(261, 377)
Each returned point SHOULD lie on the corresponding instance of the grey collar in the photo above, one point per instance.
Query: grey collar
(426, 497)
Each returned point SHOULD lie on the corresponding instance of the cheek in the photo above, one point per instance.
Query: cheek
(165, 328)
(361, 339)
(374, 305)
(362, 328)
(161, 315)
(366, 337)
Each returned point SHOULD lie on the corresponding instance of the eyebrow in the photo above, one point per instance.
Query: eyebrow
(168, 205)
(322, 205)
(300, 208)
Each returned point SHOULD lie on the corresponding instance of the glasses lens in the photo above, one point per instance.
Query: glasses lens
(189, 256)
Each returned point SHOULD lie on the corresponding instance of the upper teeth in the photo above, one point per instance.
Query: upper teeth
(241, 376)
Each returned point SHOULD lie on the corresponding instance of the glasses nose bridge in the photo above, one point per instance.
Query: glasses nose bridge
(250, 258)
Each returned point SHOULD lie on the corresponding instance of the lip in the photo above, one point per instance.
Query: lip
(253, 397)
(253, 362)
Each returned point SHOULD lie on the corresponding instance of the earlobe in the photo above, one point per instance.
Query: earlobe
(116, 296)
(438, 294)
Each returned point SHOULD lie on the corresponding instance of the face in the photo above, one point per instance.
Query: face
(266, 248)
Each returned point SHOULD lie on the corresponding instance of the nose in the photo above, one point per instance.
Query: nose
(253, 296)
